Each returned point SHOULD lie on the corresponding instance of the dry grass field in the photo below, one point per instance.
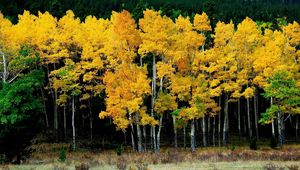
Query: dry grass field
(46, 156)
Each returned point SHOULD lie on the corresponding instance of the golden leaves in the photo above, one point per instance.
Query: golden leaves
(165, 102)
(157, 33)
(248, 93)
(201, 22)
(164, 70)
(125, 90)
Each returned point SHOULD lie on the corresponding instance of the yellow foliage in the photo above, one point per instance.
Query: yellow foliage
(165, 102)
(164, 70)
(248, 93)
(201, 22)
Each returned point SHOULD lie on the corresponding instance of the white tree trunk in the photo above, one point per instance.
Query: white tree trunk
(145, 138)
(279, 128)
(273, 128)
(132, 137)
(248, 118)
(225, 121)
(153, 102)
(5, 71)
(139, 133)
(193, 147)
(175, 132)
(255, 115)
(73, 123)
(158, 133)
(204, 132)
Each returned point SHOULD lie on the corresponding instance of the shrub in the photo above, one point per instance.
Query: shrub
(62, 155)
(233, 147)
(2, 158)
(119, 150)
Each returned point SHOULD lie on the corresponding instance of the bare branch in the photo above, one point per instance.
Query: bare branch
(16, 76)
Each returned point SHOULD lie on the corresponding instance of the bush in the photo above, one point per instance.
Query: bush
(231, 147)
(119, 150)
(2, 158)
(62, 155)
(253, 143)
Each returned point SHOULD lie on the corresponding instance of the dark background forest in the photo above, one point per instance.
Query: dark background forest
(224, 10)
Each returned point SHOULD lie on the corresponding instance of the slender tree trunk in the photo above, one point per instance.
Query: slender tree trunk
(175, 132)
(65, 123)
(193, 147)
(245, 125)
(225, 120)
(282, 129)
(214, 132)
(73, 123)
(132, 137)
(91, 121)
(5, 71)
(139, 133)
(273, 128)
(204, 132)
(125, 138)
(55, 115)
(239, 117)
(248, 118)
(160, 120)
(297, 127)
(54, 106)
(153, 102)
(145, 138)
(208, 131)
(279, 128)
(158, 133)
(184, 137)
(219, 123)
(55, 118)
(255, 115)
(45, 110)
(151, 138)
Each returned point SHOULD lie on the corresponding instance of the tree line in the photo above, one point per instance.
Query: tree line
(149, 73)
(225, 10)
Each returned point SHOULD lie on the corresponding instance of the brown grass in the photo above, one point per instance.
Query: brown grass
(131, 159)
